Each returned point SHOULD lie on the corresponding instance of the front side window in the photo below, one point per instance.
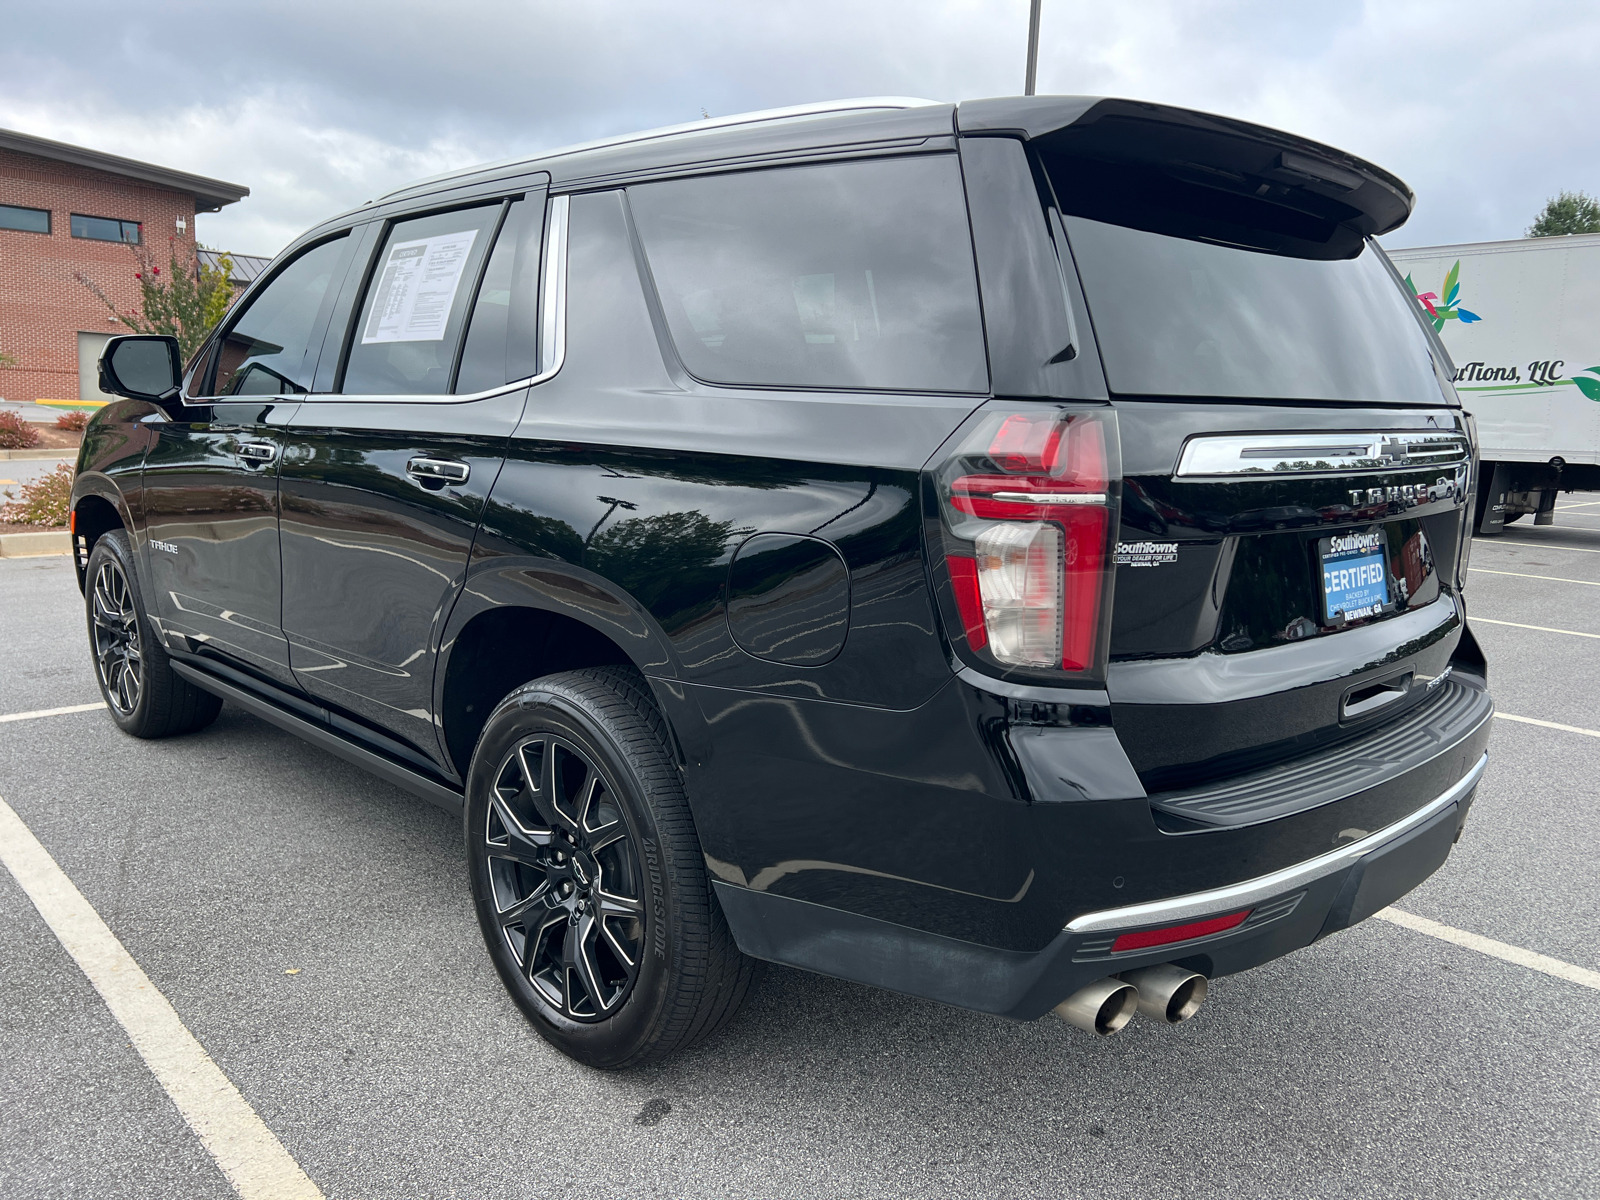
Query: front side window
(412, 316)
(264, 351)
(844, 275)
(106, 229)
(28, 220)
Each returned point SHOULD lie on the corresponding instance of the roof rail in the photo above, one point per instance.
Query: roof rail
(749, 118)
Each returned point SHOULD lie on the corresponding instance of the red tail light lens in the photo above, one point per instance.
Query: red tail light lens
(1028, 501)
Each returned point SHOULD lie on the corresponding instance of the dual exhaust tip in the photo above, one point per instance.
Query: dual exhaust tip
(1165, 993)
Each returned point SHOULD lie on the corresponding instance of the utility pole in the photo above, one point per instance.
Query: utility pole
(1033, 47)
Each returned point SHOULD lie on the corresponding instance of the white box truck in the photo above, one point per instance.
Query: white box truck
(1521, 321)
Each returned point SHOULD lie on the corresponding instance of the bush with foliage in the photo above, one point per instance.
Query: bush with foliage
(186, 302)
(1570, 212)
(44, 501)
(74, 420)
(15, 433)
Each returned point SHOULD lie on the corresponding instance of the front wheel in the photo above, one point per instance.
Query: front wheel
(588, 879)
(145, 696)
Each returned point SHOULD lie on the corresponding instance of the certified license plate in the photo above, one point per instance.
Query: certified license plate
(1355, 576)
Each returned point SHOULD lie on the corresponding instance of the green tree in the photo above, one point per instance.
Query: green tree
(1570, 212)
(186, 301)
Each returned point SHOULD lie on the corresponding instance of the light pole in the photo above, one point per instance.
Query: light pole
(1033, 47)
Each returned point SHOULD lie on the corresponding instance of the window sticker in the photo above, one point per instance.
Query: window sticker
(418, 288)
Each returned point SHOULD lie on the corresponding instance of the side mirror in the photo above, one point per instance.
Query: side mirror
(142, 366)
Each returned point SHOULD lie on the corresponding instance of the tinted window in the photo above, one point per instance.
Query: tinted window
(105, 229)
(264, 352)
(29, 220)
(853, 275)
(405, 339)
(1176, 317)
(483, 358)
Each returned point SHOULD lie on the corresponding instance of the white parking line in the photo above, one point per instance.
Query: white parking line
(1582, 504)
(1540, 628)
(1525, 575)
(51, 712)
(1505, 541)
(1581, 976)
(1549, 724)
(254, 1161)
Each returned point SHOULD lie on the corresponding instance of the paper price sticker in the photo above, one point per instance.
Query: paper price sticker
(417, 288)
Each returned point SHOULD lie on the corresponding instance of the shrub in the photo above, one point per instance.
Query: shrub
(44, 501)
(73, 420)
(15, 433)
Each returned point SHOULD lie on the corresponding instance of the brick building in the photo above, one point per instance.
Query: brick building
(67, 212)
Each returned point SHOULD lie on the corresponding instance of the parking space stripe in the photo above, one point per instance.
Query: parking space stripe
(1549, 724)
(51, 712)
(1541, 628)
(1504, 951)
(1525, 575)
(1540, 545)
(249, 1155)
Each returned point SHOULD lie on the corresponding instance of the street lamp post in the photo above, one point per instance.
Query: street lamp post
(1033, 47)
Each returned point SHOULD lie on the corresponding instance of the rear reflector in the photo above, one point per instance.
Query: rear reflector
(964, 579)
(1146, 938)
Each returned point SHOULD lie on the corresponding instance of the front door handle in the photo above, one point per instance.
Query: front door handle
(258, 452)
(438, 470)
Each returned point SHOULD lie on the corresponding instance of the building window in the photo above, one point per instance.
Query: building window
(29, 220)
(104, 229)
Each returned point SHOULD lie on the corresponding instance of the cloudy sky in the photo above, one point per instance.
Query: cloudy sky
(1485, 108)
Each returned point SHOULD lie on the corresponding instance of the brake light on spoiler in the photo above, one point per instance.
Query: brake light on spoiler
(1028, 508)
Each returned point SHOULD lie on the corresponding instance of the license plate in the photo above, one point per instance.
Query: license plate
(1355, 576)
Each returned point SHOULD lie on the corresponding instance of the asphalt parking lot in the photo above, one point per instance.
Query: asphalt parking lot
(1381, 1062)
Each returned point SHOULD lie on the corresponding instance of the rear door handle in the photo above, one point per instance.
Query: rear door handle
(1369, 699)
(257, 452)
(435, 470)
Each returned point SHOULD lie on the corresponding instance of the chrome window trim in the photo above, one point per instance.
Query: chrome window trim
(1199, 905)
(1242, 456)
(553, 326)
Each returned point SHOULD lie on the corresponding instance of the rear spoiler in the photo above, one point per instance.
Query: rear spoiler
(1223, 180)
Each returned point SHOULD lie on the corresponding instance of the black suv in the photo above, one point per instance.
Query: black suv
(1009, 553)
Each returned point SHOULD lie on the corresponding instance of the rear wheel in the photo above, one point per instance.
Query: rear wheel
(588, 878)
(145, 696)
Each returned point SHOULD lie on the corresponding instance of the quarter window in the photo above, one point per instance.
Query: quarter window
(28, 220)
(264, 352)
(404, 342)
(106, 229)
(846, 275)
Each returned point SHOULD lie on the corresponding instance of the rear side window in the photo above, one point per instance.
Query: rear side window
(412, 316)
(846, 275)
(502, 309)
(264, 351)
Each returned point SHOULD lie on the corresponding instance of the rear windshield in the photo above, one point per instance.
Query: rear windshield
(1177, 317)
(850, 275)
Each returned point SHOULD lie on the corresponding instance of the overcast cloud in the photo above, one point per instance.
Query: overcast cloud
(1486, 109)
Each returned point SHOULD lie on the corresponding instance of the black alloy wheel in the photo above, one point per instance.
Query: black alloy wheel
(114, 628)
(565, 872)
(588, 879)
(145, 696)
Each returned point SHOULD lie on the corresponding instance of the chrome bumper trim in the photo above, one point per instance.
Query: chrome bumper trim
(1197, 905)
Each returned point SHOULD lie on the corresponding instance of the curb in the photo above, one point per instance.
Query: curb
(31, 545)
(17, 455)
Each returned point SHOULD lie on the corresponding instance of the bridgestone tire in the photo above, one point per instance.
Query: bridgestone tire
(689, 978)
(163, 702)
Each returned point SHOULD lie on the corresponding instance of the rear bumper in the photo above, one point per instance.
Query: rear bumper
(1289, 908)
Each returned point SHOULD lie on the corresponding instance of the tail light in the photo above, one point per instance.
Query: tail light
(1027, 509)
(1469, 509)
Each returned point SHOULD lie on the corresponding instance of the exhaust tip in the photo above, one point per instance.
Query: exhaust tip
(1103, 1007)
(1168, 993)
